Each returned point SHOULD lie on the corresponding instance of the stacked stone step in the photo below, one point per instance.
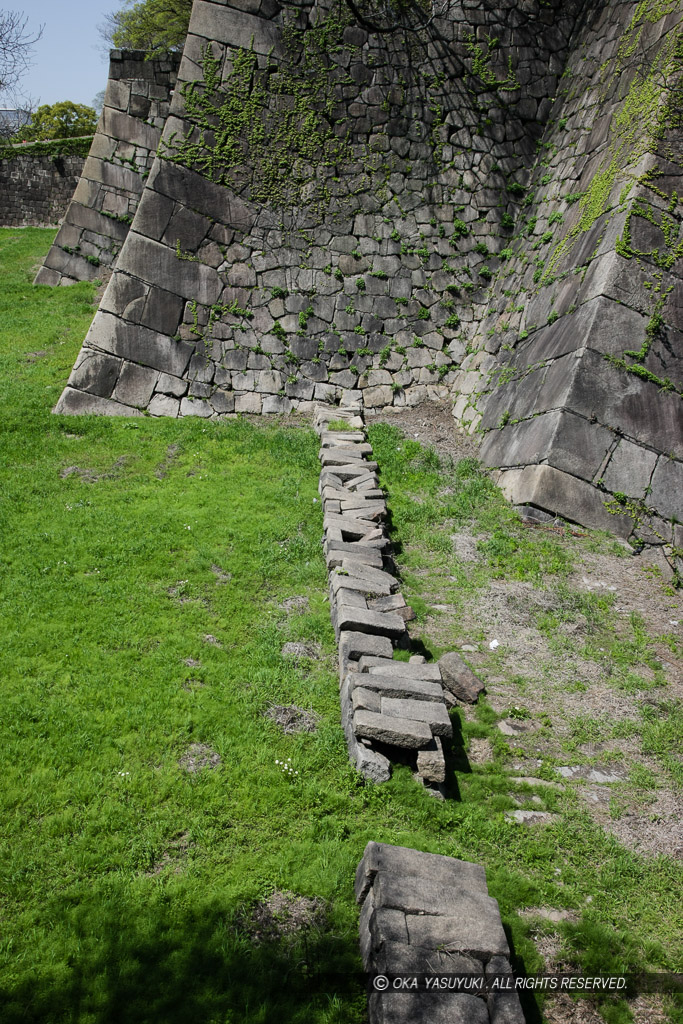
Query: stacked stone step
(387, 705)
(428, 915)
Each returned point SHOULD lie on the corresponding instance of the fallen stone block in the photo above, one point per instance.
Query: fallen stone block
(404, 669)
(446, 871)
(476, 929)
(399, 687)
(431, 765)
(396, 732)
(331, 439)
(427, 1008)
(459, 678)
(353, 498)
(364, 621)
(354, 645)
(342, 581)
(365, 700)
(431, 713)
(365, 557)
(392, 603)
(370, 763)
(365, 571)
(367, 510)
(349, 525)
(349, 597)
(343, 457)
(352, 473)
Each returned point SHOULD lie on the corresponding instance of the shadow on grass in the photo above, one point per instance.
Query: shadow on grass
(155, 966)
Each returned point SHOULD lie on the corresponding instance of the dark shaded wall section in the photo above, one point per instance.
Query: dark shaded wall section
(35, 191)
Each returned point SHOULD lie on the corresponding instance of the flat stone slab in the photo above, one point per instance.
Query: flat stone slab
(404, 669)
(428, 1008)
(356, 555)
(364, 621)
(353, 645)
(433, 714)
(401, 686)
(347, 583)
(407, 733)
(348, 524)
(401, 860)
(359, 571)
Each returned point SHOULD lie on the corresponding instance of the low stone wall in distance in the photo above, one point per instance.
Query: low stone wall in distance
(35, 191)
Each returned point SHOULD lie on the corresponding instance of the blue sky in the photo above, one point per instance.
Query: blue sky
(69, 62)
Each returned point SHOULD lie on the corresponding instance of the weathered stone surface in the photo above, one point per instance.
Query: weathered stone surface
(365, 621)
(459, 678)
(95, 373)
(135, 385)
(352, 645)
(667, 489)
(435, 1007)
(396, 732)
(434, 714)
(430, 762)
(402, 669)
(549, 489)
(401, 686)
(399, 860)
(78, 403)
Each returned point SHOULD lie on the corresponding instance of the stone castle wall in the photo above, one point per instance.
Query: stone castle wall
(36, 190)
(576, 373)
(482, 204)
(136, 105)
(319, 205)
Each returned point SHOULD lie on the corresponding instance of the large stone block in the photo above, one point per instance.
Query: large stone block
(667, 489)
(158, 264)
(95, 373)
(559, 493)
(139, 344)
(79, 403)
(566, 441)
(135, 385)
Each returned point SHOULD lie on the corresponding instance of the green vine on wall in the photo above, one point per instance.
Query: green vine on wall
(276, 123)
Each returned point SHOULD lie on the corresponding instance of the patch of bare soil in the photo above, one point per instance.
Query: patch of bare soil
(558, 687)
(209, 638)
(480, 751)
(560, 1008)
(163, 467)
(283, 914)
(294, 605)
(300, 652)
(432, 424)
(291, 718)
(199, 756)
(173, 857)
(91, 476)
(654, 829)
(221, 575)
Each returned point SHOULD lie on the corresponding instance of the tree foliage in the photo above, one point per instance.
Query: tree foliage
(153, 25)
(63, 120)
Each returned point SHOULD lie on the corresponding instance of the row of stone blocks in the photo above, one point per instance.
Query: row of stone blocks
(430, 917)
(389, 707)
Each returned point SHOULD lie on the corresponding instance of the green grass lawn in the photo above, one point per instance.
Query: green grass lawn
(144, 567)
